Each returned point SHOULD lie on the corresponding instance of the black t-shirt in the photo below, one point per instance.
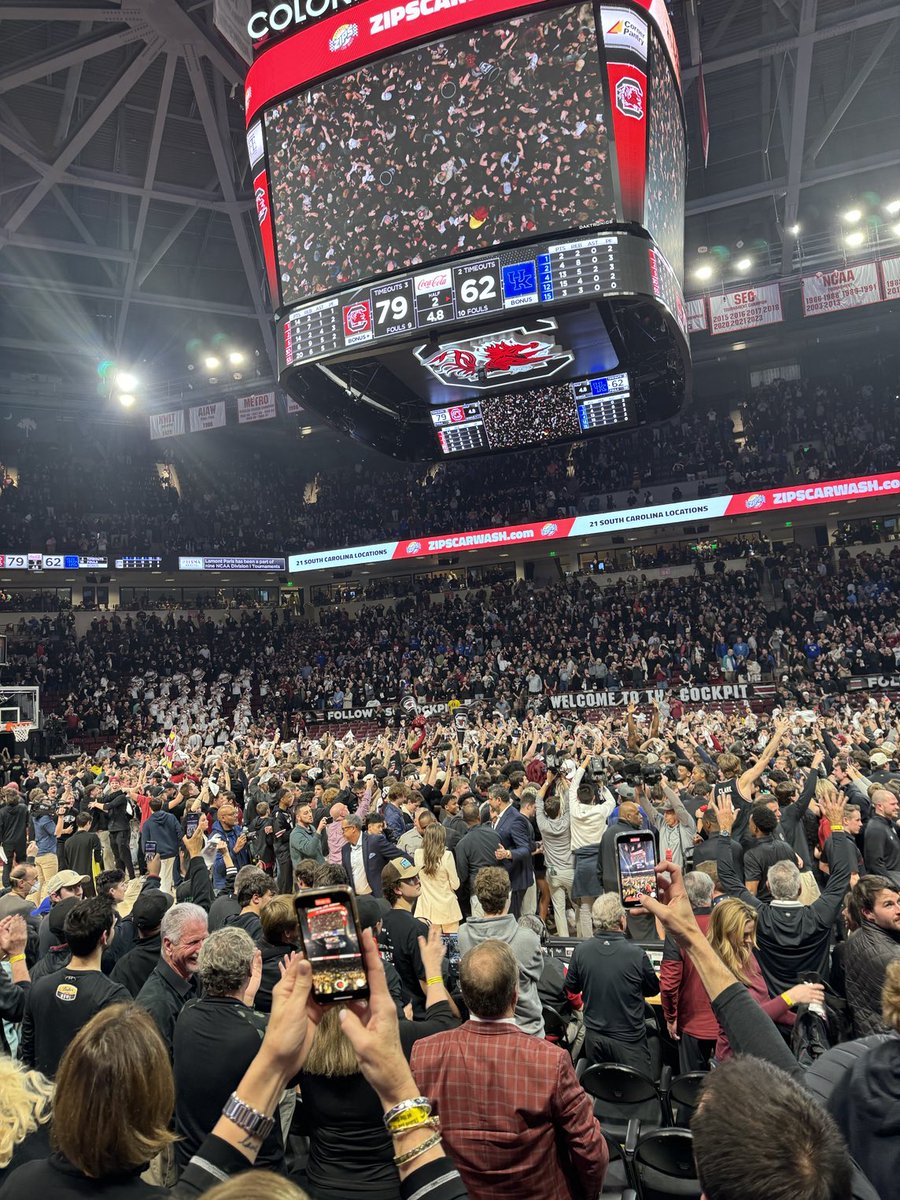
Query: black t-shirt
(215, 1041)
(762, 855)
(82, 850)
(58, 1006)
(399, 936)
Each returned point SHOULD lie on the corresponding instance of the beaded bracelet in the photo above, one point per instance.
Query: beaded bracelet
(418, 1106)
(428, 1144)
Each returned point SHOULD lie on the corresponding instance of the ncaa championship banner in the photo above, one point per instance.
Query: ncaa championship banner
(740, 504)
(840, 289)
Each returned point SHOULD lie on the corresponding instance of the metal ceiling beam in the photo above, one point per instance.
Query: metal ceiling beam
(69, 12)
(106, 181)
(168, 242)
(69, 287)
(723, 26)
(784, 45)
(42, 349)
(156, 138)
(853, 89)
(70, 95)
(778, 187)
(39, 66)
(63, 201)
(23, 241)
(799, 109)
(117, 90)
(224, 167)
(171, 21)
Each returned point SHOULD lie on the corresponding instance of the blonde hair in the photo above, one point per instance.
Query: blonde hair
(725, 933)
(434, 842)
(890, 996)
(257, 1185)
(25, 1103)
(331, 1054)
(825, 790)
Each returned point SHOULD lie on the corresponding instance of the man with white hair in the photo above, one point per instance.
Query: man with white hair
(183, 930)
(613, 976)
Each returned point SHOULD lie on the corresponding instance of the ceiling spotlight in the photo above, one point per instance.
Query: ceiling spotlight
(744, 264)
(126, 399)
(856, 238)
(235, 357)
(211, 362)
(895, 230)
(704, 272)
(126, 381)
(794, 229)
(852, 215)
(893, 208)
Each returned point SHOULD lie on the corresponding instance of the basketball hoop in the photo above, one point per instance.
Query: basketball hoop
(19, 729)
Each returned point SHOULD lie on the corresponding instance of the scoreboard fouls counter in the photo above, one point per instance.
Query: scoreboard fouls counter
(472, 217)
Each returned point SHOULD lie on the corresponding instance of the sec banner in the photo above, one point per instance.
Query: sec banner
(840, 289)
(745, 309)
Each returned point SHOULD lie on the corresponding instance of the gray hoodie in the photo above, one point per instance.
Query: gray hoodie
(527, 949)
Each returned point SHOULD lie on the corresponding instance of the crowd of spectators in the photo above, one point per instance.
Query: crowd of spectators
(784, 432)
(160, 1038)
(806, 621)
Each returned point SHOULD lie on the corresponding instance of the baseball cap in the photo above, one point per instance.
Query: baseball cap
(889, 748)
(148, 909)
(64, 879)
(57, 918)
(667, 806)
(878, 759)
(569, 767)
(397, 869)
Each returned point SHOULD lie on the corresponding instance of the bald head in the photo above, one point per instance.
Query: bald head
(630, 813)
(489, 980)
(884, 802)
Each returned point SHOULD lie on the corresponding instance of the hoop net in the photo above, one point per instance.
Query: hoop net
(19, 729)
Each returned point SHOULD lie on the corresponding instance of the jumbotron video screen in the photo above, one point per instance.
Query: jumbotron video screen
(472, 218)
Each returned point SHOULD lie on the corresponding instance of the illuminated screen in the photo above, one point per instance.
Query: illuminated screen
(665, 163)
(484, 137)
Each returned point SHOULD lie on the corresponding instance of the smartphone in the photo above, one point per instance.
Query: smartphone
(635, 863)
(451, 941)
(329, 928)
(190, 825)
(149, 849)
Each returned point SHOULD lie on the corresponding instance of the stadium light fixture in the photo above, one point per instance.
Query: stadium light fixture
(793, 230)
(235, 357)
(893, 207)
(744, 264)
(852, 215)
(705, 272)
(895, 229)
(211, 362)
(126, 399)
(126, 381)
(856, 238)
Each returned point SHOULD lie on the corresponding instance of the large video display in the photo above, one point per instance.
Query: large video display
(666, 162)
(484, 137)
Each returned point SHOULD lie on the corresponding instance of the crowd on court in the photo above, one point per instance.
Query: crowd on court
(158, 1031)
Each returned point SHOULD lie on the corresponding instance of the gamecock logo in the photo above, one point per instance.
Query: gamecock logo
(630, 97)
(262, 209)
(484, 361)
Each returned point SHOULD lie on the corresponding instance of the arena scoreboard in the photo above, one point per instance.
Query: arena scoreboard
(471, 213)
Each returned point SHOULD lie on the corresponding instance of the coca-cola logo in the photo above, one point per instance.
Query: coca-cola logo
(433, 283)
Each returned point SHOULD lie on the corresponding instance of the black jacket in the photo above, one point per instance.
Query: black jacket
(793, 938)
(164, 995)
(13, 823)
(869, 951)
(881, 848)
(135, 968)
(475, 850)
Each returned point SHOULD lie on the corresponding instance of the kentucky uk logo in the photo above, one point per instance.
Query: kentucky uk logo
(494, 358)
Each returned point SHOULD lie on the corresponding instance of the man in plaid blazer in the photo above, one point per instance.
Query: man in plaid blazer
(514, 1119)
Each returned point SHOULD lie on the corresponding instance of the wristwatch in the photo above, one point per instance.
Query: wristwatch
(253, 1122)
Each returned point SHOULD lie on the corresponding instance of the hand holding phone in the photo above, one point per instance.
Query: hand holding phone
(636, 860)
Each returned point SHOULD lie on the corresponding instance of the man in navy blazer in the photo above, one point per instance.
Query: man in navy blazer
(364, 855)
(514, 851)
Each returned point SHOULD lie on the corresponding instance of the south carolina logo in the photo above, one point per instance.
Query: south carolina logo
(757, 500)
(630, 97)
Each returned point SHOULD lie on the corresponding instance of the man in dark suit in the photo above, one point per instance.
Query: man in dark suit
(364, 855)
(515, 848)
(477, 848)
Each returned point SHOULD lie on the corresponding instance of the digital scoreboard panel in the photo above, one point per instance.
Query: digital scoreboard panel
(472, 208)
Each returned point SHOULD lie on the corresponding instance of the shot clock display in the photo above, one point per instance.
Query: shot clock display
(435, 183)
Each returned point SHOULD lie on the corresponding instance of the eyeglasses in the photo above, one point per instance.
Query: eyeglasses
(411, 879)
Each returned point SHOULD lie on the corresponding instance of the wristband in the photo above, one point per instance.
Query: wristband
(436, 979)
(428, 1123)
(786, 997)
(428, 1144)
(16, 958)
(419, 1105)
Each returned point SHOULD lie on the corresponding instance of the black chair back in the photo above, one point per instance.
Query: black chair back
(621, 1094)
(684, 1095)
(663, 1166)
